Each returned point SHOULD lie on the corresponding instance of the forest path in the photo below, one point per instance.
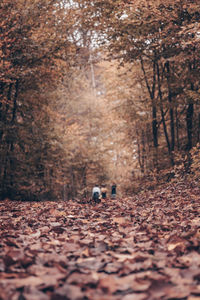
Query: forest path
(144, 247)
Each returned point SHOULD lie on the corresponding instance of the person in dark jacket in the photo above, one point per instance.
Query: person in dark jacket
(113, 191)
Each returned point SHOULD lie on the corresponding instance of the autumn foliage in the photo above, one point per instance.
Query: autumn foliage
(99, 92)
(111, 86)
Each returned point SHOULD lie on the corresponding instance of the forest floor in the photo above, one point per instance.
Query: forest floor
(142, 247)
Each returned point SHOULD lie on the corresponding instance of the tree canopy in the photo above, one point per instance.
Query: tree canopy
(93, 90)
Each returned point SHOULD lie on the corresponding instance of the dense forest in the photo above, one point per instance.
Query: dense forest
(97, 91)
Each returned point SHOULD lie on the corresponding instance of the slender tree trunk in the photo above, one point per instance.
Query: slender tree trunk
(15, 101)
(198, 136)
(151, 90)
(139, 152)
(12, 163)
(2, 85)
(84, 181)
(6, 145)
(155, 126)
(8, 161)
(171, 111)
(4, 174)
(143, 151)
(165, 128)
(172, 129)
(177, 130)
(11, 150)
(189, 122)
(149, 148)
(190, 112)
(9, 92)
(163, 116)
(73, 184)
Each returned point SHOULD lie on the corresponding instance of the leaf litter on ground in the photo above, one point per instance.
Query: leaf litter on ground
(142, 247)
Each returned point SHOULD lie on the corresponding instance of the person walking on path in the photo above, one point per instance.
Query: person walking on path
(103, 191)
(96, 192)
(113, 191)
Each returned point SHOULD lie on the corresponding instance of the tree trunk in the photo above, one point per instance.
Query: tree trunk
(139, 153)
(190, 110)
(177, 130)
(189, 122)
(8, 163)
(151, 91)
(143, 151)
(155, 126)
(12, 162)
(163, 116)
(2, 85)
(171, 111)
(73, 184)
(15, 101)
(6, 143)
(198, 137)
(84, 181)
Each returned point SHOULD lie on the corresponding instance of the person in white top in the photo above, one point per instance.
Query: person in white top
(96, 192)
